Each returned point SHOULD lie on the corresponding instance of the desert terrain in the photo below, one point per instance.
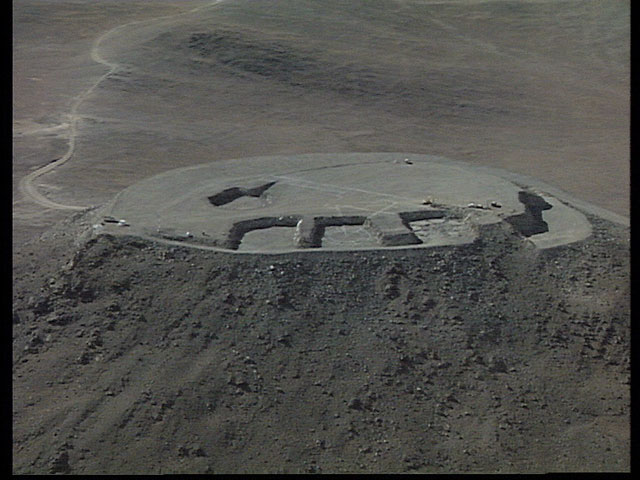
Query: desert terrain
(133, 355)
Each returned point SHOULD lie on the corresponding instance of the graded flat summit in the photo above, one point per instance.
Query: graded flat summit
(340, 201)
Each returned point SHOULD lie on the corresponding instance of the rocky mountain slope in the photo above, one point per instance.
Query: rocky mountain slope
(139, 357)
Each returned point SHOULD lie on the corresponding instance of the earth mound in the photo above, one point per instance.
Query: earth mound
(489, 356)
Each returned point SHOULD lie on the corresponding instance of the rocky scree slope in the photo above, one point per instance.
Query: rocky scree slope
(137, 357)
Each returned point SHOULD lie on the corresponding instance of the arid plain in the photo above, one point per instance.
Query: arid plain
(137, 357)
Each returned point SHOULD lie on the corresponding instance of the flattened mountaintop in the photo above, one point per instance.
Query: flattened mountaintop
(344, 201)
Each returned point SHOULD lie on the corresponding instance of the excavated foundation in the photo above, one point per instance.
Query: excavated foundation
(341, 202)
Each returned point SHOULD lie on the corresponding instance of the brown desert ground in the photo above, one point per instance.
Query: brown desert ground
(137, 356)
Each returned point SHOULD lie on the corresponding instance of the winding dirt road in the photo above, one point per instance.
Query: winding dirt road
(27, 184)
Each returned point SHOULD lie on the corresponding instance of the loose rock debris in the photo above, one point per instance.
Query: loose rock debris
(359, 361)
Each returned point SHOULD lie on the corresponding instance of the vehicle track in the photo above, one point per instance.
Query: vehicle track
(27, 184)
